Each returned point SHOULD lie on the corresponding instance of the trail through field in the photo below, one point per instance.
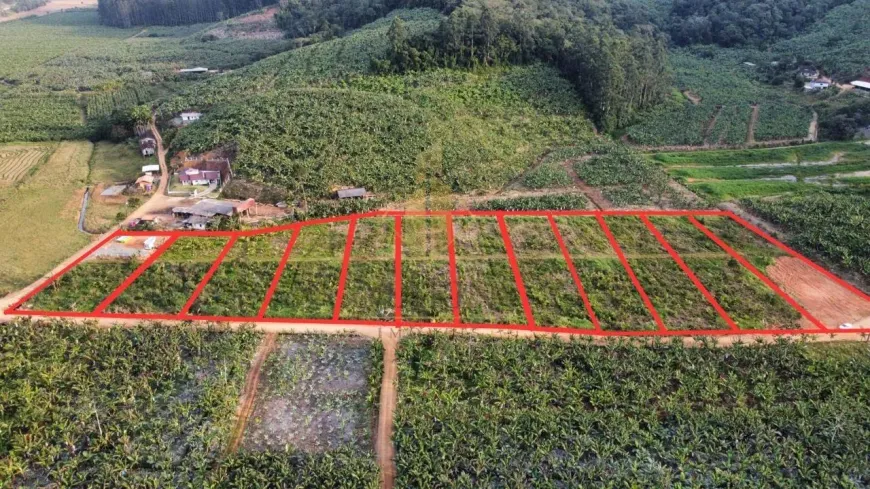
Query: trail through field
(384, 445)
(829, 302)
(813, 133)
(593, 194)
(753, 119)
(249, 392)
(711, 125)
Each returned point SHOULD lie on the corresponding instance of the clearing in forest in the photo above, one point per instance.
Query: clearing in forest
(606, 273)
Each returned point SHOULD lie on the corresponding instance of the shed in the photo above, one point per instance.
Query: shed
(151, 168)
(190, 116)
(145, 182)
(198, 69)
(147, 146)
(198, 223)
(113, 191)
(861, 84)
(150, 243)
(353, 193)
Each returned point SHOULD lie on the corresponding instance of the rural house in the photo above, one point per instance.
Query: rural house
(193, 71)
(815, 86)
(151, 169)
(200, 214)
(207, 172)
(862, 85)
(147, 146)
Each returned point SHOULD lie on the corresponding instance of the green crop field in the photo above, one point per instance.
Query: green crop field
(155, 406)
(60, 67)
(727, 91)
(484, 412)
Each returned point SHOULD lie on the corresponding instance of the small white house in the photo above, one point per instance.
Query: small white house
(149, 169)
(815, 86)
(862, 84)
(187, 117)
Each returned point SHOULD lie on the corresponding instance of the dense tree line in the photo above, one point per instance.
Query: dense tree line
(126, 13)
(742, 22)
(618, 74)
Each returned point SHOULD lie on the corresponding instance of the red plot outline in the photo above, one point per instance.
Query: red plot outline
(646, 300)
(100, 311)
(689, 273)
(208, 275)
(764, 278)
(571, 268)
(278, 273)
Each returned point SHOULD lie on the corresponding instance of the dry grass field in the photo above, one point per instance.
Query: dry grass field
(38, 216)
(18, 160)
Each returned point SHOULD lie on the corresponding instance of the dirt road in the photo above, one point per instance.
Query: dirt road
(249, 394)
(387, 406)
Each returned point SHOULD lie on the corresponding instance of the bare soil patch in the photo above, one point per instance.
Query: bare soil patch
(829, 302)
(312, 396)
(692, 97)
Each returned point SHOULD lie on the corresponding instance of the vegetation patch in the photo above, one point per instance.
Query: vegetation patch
(548, 202)
(545, 411)
(83, 288)
(153, 406)
(426, 295)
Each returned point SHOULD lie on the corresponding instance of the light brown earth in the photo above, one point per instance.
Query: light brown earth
(828, 301)
(384, 439)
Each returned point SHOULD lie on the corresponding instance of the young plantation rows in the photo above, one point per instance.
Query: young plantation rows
(156, 406)
(451, 270)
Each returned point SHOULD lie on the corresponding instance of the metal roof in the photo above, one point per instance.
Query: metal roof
(352, 192)
(861, 84)
(207, 208)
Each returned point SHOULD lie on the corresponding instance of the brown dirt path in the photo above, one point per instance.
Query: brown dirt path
(249, 392)
(750, 133)
(384, 439)
(692, 97)
(711, 125)
(593, 194)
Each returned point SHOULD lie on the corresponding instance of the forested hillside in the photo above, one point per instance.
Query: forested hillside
(127, 13)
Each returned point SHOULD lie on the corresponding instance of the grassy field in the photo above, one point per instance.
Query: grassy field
(110, 164)
(38, 216)
(477, 411)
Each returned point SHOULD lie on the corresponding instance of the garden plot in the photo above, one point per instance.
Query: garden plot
(166, 285)
(238, 287)
(611, 273)
(553, 295)
(309, 284)
(84, 287)
(370, 287)
(610, 291)
(426, 295)
(487, 286)
(316, 394)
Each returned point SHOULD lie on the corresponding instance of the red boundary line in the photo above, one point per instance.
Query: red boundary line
(748, 225)
(571, 268)
(208, 275)
(398, 265)
(689, 273)
(515, 266)
(646, 300)
(764, 278)
(99, 312)
(57, 275)
(348, 245)
(278, 272)
(133, 276)
(454, 276)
